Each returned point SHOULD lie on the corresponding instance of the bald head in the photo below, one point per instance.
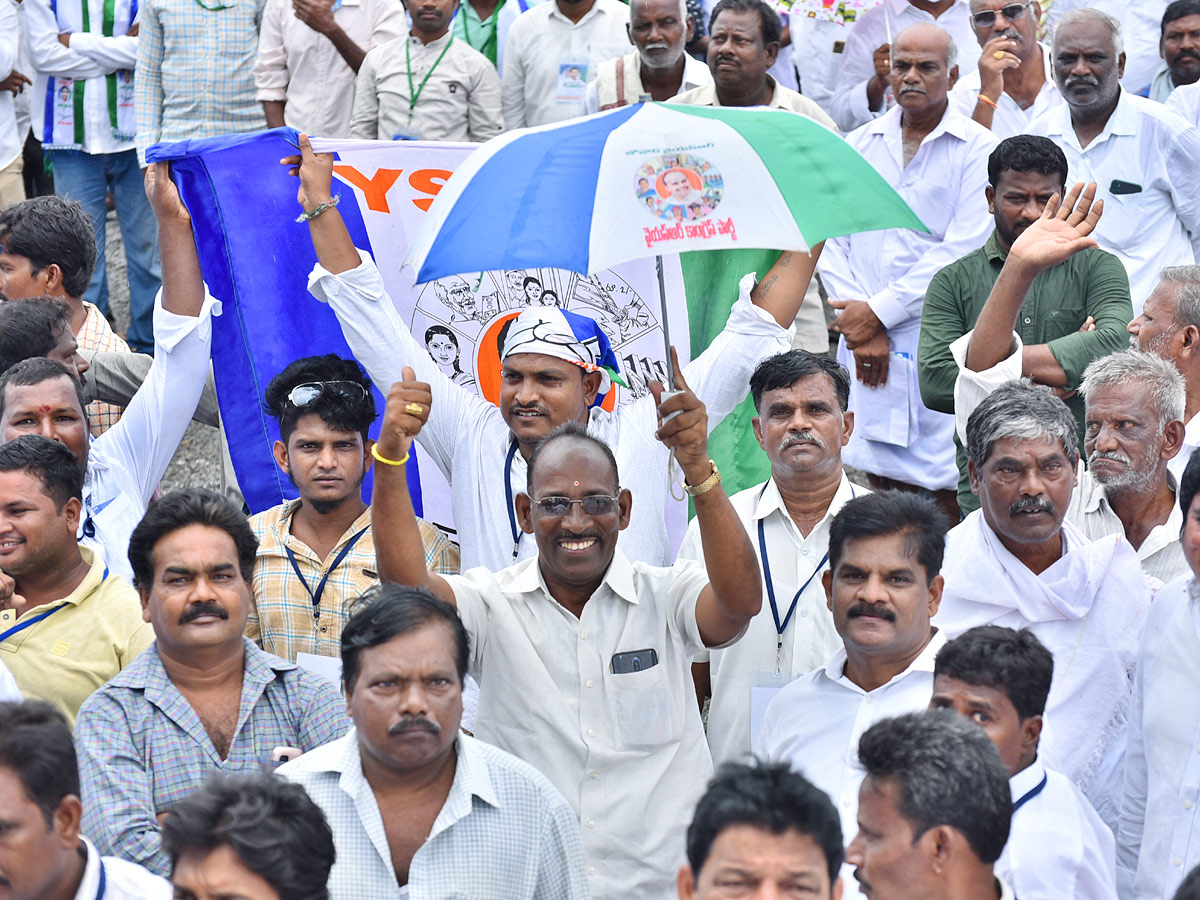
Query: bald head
(926, 36)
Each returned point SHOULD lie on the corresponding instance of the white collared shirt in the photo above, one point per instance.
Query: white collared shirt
(1191, 440)
(695, 74)
(1058, 847)
(468, 439)
(808, 638)
(879, 26)
(781, 98)
(1008, 119)
(1159, 838)
(503, 833)
(1185, 101)
(126, 463)
(816, 721)
(897, 436)
(121, 879)
(626, 750)
(301, 66)
(11, 142)
(540, 41)
(1161, 553)
(1155, 151)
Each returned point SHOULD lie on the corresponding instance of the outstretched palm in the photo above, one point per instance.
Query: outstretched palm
(1063, 230)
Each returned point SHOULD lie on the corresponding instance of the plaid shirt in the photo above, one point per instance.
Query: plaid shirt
(142, 748)
(283, 618)
(204, 85)
(96, 334)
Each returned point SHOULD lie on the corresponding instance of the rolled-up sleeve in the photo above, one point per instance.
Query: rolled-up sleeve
(1108, 303)
(970, 387)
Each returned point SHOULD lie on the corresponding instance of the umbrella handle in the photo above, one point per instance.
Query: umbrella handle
(667, 395)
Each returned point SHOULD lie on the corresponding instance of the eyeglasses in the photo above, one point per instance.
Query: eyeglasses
(308, 393)
(593, 505)
(987, 18)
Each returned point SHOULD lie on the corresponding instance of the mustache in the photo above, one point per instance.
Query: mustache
(1011, 34)
(1110, 455)
(1031, 504)
(860, 609)
(414, 723)
(1190, 54)
(207, 608)
(912, 89)
(801, 437)
(1089, 80)
(662, 45)
(859, 878)
(529, 407)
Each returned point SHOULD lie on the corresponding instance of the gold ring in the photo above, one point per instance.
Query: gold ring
(414, 409)
(998, 54)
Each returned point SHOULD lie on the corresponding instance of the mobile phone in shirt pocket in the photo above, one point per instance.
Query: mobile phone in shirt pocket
(643, 708)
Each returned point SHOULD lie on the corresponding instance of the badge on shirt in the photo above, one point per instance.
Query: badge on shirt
(572, 80)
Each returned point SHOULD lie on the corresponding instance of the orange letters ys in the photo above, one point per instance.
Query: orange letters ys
(375, 189)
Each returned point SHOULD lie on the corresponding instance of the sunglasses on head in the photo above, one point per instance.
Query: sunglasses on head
(987, 18)
(306, 394)
(593, 505)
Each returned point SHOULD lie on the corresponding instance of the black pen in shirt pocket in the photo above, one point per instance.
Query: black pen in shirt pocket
(1119, 187)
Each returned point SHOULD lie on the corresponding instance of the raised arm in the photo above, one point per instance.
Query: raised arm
(786, 284)
(734, 593)
(399, 551)
(1062, 231)
(183, 285)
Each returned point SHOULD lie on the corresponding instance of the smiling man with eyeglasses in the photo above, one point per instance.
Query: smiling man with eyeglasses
(583, 657)
(317, 552)
(1012, 84)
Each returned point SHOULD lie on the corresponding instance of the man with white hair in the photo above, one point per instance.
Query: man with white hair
(1169, 325)
(1145, 159)
(658, 66)
(1133, 426)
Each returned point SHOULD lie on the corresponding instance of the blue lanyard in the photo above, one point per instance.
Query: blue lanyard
(337, 561)
(508, 496)
(28, 622)
(781, 627)
(1033, 793)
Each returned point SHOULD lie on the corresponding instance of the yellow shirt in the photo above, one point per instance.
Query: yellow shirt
(86, 639)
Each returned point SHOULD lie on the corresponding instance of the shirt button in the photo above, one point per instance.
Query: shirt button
(583, 635)
(591, 732)
(1178, 861)
(593, 775)
(804, 613)
(588, 683)
(845, 804)
(804, 551)
(591, 823)
(870, 701)
(1027, 321)
(591, 870)
(324, 629)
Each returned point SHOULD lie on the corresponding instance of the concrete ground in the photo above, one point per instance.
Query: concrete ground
(197, 461)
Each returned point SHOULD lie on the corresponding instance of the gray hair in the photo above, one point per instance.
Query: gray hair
(1022, 411)
(1187, 295)
(682, 4)
(1086, 14)
(1167, 389)
(951, 47)
(948, 772)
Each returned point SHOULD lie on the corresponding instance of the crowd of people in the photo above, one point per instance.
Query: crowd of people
(945, 650)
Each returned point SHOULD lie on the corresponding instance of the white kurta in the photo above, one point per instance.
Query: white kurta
(897, 436)
(1088, 609)
(763, 656)
(468, 439)
(1159, 838)
(1058, 847)
(1153, 220)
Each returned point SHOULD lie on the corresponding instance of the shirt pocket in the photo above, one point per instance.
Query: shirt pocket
(1061, 321)
(928, 199)
(1127, 218)
(643, 708)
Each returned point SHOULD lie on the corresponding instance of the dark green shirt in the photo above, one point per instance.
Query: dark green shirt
(1091, 283)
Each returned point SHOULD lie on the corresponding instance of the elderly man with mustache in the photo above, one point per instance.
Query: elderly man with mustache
(802, 424)
(1016, 563)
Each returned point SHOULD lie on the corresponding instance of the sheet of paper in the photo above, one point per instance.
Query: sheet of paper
(327, 666)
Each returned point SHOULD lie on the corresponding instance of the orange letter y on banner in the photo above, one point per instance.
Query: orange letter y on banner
(374, 188)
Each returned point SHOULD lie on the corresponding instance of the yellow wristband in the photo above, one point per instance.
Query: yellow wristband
(385, 460)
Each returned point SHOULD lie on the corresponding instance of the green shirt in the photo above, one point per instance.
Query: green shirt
(1091, 283)
(479, 34)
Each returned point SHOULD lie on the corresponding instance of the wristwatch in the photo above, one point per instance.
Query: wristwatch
(706, 485)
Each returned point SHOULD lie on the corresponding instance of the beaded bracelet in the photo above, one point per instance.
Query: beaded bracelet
(321, 207)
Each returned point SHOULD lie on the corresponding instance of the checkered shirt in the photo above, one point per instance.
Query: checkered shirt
(142, 747)
(283, 619)
(504, 832)
(97, 334)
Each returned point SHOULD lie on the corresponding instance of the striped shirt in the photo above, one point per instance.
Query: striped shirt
(503, 833)
(205, 85)
(142, 748)
(97, 335)
(285, 618)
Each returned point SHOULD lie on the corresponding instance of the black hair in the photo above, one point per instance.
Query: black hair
(784, 369)
(1189, 484)
(769, 796)
(1189, 888)
(1177, 10)
(947, 771)
(340, 410)
(1014, 662)
(273, 827)
(54, 465)
(30, 328)
(29, 372)
(52, 231)
(772, 27)
(1027, 153)
(386, 611)
(179, 509)
(443, 330)
(36, 745)
(891, 512)
(569, 430)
